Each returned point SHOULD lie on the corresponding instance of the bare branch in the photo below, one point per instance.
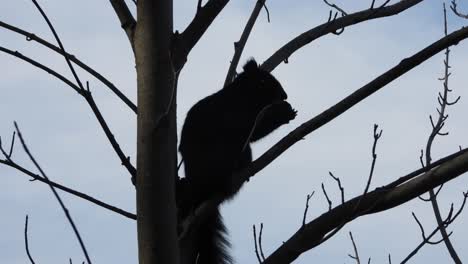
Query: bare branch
(326, 196)
(32, 37)
(127, 21)
(260, 241)
(256, 245)
(59, 42)
(335, 7)
(12, 145)
(356, 253)
(332, 26)
(436, 128)
(370, 200)
(239, 45)
(307, 207)
(359, 95)
(450, 219)
(454, 8)
(377, 136)
(62, 205)
(26, 244)
(195, 30)
(338, 182)
(378, 200)
(89, 98)
(81, 195)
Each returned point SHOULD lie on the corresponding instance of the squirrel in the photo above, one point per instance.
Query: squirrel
(215, 143)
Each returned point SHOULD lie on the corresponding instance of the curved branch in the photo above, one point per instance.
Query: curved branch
(56, 195)
(454, 8)
(126, 19)
(376, 201)
(68, 190)
(328, 115)
(362, 93)
(30, 36)
(86, 94)
(192, 34)
(307, 37)
(239, 45)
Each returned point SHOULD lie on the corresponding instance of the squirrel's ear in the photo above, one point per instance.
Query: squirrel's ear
(251, 65)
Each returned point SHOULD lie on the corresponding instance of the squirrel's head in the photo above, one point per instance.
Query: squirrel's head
(261, 84)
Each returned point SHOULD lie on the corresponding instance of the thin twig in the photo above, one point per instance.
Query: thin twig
(32, 37)
(307, 37)
(437, 126)
(350, 101)
(26, 244)
(338, 182)
(62, 205)
(260, 241)
(59, 42)
(239, 45)
(307, 207)
(326, 196)
(88, 97)
(356, 254)
(12, 145)
(335, 7)
(81, 195)
(454, 8)
(377, 136)
(450, 219)
(255, 243)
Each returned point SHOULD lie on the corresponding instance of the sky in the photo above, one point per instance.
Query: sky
(64, 136)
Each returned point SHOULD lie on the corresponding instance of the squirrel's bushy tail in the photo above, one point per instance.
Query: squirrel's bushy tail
(213, 241)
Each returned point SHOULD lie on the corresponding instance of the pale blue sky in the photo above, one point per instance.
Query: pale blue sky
(68, 142)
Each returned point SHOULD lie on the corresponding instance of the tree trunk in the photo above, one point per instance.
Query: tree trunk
(157, 136)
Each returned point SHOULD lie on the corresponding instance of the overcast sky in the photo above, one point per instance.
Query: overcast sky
(66, 139)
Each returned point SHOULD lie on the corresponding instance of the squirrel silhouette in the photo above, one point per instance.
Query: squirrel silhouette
(215, 143)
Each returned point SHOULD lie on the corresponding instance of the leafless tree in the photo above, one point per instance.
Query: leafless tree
(160, 54)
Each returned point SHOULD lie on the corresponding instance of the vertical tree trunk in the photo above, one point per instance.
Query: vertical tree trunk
(156, 137)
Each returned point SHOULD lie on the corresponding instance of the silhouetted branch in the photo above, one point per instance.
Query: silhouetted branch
(410, 187)
(257, 253)
(332, 26)
(59, 42)
(338, 182)
(86, 94)
(335, 7)
(62, 205)
(26, 244)
(260, 241)
(258, 246)
(377, 136)
(376, 201)
(450, 219)
(326, 197)
(454, 8)
(436, 128)
(32, 37)
(192, 34)
(14, 165)
(239, 45)
(304, 218)
(126, 19)
(356, 253)
(422, 170)
(359, 95)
